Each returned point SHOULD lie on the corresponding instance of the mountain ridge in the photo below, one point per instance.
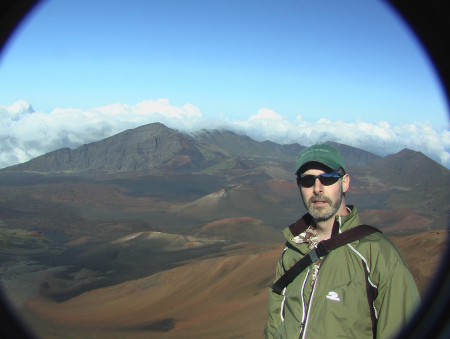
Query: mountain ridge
(145, 148)
(157, 149)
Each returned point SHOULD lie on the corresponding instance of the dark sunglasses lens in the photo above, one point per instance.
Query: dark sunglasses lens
(327, 181)
(307, 180)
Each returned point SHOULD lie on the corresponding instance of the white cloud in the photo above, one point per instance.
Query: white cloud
(25, 134)
(266, 114)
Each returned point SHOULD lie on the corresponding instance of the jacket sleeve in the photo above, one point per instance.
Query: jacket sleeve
(275, 306)
(398, 297)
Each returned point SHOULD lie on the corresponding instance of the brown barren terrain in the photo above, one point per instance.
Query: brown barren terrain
(423, 253)
(396, 220)
(224, 297)
(214, 298)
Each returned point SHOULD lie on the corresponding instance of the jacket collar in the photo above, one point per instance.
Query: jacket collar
(307, 220)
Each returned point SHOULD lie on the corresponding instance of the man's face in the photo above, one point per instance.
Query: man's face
(324, 202)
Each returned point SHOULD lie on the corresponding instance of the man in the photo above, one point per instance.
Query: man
(360, 290)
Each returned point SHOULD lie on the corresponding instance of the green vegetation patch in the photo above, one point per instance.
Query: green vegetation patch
(223, 165)
(212, 152)
(23, 241)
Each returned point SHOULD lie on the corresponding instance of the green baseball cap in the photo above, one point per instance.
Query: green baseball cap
(324, 154)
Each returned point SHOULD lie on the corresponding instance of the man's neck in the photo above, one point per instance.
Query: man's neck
(325, 227)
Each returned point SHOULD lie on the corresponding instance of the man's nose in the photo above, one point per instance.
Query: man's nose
(318, 187)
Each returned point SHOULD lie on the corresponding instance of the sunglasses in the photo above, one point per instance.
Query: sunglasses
(327, 179)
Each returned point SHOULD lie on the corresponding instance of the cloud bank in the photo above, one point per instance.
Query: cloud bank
(25, 133)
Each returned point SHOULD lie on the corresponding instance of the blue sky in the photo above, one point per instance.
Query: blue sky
(291, 71)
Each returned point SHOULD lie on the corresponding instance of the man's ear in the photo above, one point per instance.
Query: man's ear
(345, 183)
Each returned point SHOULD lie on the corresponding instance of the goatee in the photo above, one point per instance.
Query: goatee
(325, 212)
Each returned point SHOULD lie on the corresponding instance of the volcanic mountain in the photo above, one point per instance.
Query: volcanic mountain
(154, 173)
(420, 184)
(157, 149)
(234, 203)
(244, 146)
(239, 230)
(146, 148)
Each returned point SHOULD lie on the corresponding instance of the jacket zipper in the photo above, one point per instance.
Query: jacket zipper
(303, 302)
(282, 305)
(304, 324)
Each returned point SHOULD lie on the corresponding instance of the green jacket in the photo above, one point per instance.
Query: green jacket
(363, 289)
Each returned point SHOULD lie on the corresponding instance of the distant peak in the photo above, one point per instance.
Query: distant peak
(19, 109)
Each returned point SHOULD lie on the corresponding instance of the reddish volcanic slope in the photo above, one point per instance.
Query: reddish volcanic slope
(236, 202)
(214, 298)
(282, 188)
(422, 253)
(398, 220)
